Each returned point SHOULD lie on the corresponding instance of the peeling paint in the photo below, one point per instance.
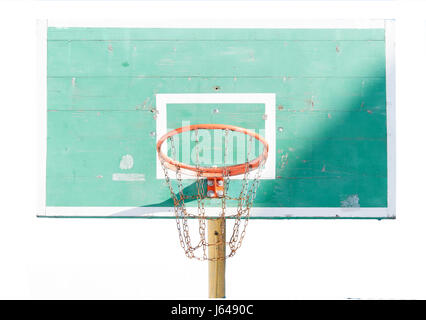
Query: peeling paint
(126, 162)
(128, 177)
(351, 201)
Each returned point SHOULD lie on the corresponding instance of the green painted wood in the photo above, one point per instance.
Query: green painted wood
(116, 93)
(83, 151)
(216, 58)
(123, 34)
(330, 114)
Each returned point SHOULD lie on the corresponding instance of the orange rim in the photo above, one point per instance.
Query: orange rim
(210, 172)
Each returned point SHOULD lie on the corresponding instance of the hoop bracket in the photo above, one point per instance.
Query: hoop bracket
(215, 187)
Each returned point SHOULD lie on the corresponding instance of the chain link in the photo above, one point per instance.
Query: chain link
(244, 202)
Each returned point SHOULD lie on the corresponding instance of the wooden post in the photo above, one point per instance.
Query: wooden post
(216, 234)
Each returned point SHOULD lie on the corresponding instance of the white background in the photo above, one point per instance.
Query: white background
(141, 259)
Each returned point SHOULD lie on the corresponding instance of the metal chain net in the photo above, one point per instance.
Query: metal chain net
(244, 201)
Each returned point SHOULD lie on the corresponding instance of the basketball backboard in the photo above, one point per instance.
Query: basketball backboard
(321, 95)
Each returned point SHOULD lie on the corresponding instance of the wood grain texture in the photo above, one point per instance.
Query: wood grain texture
(217, 235)
(123, 34)
(116, 93)
(216, 58)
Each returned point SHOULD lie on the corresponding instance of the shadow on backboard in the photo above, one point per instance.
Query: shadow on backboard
(334, 157)
(164, 208)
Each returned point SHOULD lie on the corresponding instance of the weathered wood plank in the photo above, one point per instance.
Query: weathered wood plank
(121, 34)
(337, 125)
(303, 192)
(82, 155)
(216, 58)
(117, 93)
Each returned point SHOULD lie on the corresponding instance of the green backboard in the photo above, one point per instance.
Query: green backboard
(322, 98)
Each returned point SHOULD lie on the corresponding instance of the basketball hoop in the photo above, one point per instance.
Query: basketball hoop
(212, 172)
(217, 187)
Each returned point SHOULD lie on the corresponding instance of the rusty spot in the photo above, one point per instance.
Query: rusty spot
(369, 111)
(280, 107)
(337, 49)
